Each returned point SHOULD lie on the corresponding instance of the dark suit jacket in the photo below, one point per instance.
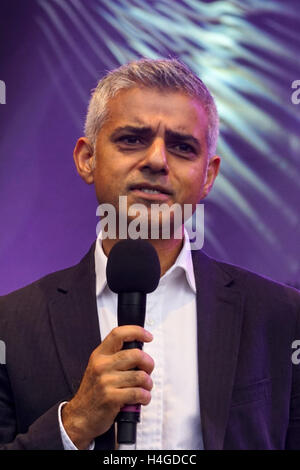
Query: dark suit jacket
(249, 388)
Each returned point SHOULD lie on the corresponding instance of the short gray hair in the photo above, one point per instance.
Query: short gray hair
(161, 74)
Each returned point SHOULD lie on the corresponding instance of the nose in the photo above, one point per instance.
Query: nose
(155, 159)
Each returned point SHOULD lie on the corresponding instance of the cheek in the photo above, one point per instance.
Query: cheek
(106, 174)
(195, 180)
(109, 182)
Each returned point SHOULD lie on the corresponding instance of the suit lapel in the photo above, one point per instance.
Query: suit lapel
(74, 319)
(219, 316)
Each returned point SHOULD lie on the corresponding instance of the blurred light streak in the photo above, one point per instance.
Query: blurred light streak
(245, 53)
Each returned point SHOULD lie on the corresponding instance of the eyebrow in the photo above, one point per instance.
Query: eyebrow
(146, 131)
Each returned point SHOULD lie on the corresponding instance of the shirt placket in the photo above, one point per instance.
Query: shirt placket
(150, 429)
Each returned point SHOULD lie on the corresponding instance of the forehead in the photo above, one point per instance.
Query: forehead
(146, 106)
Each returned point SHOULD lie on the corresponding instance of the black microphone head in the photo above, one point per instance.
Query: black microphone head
(133, 266)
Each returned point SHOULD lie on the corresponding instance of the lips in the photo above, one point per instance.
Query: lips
(152, 192)
(150, 188)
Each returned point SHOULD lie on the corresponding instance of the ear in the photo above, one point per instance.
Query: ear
(84, 160)
(212, 172)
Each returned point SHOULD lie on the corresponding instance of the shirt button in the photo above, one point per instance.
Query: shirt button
(150, 321)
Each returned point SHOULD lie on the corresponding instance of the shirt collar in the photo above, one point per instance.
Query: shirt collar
(183, 261)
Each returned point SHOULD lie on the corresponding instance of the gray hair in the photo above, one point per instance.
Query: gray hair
(161, 74)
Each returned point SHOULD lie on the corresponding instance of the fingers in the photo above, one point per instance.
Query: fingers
(127, 379)
(133, 358)
(113, 378)
(108, 357)
(121, 361)
(132, 396)
(118, 336)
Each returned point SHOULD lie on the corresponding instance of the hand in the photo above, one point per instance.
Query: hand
(108, 384)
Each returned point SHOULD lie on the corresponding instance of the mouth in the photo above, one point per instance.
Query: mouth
(151, 191)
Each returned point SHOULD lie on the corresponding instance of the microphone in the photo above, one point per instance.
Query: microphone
(132, 271)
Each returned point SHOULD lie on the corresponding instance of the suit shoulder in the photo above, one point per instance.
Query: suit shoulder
(38, 289)
(260, 285)
(43, 288)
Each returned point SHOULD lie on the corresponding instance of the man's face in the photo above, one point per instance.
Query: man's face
(153, 150)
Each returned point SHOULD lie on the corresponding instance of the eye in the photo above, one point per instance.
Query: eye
(185, 148)
(131, 139)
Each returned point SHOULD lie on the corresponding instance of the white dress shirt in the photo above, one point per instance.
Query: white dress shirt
(172, 418)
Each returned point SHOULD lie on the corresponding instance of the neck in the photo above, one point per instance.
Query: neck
(167, 250)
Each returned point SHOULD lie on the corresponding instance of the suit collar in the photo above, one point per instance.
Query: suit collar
(183, 261)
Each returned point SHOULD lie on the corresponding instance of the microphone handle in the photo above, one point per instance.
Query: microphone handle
(131, 308)
(131, 311)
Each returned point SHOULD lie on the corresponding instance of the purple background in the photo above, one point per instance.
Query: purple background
(47, 213)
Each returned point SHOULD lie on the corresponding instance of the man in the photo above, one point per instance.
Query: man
(216, 370)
